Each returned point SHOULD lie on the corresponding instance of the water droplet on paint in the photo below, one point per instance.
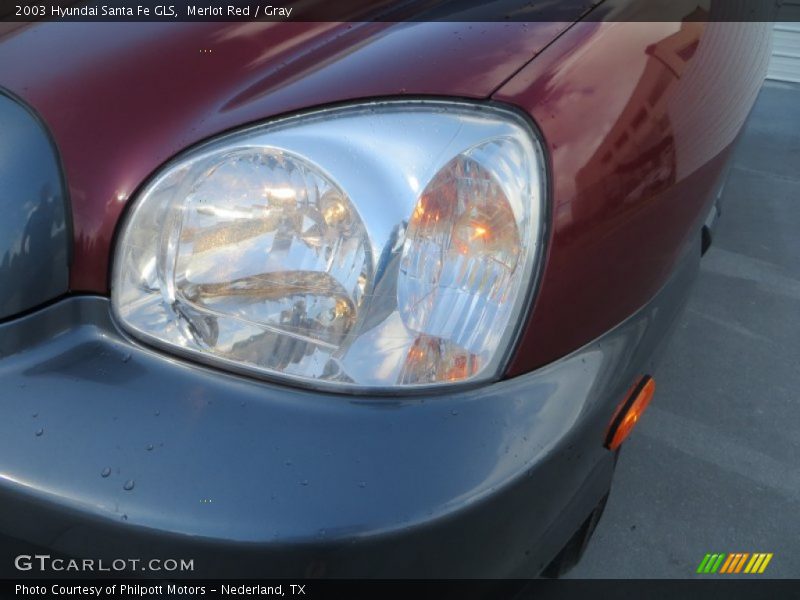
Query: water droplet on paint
(128, 485)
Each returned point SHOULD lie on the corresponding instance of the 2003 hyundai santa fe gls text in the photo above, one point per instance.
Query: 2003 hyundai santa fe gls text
(346, 299)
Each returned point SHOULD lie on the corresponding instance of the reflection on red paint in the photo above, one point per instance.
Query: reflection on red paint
(639, 119)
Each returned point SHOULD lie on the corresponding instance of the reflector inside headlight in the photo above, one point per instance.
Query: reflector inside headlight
(375, 246)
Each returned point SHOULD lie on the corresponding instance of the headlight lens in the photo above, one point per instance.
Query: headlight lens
(369, 247)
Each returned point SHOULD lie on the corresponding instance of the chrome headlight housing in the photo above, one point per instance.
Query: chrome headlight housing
(378, 246)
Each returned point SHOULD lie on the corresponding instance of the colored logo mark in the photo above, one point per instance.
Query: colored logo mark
(739, 562)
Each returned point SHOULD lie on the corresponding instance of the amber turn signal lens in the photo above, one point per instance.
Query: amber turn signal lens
(630, 411)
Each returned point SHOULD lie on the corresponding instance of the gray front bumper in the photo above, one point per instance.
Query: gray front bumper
(252, 479)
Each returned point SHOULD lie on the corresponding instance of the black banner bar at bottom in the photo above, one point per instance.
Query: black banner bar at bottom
(564, 589)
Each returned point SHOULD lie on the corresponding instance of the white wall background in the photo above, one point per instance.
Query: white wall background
(785, 62)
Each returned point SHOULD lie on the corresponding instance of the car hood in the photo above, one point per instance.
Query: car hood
(122, 98)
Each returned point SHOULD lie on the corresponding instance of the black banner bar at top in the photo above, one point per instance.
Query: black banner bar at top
(397, 10)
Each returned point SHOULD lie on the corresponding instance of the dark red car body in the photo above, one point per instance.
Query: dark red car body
(124, 98)
(638, 120)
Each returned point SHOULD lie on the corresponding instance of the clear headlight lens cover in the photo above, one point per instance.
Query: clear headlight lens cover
(377, 246)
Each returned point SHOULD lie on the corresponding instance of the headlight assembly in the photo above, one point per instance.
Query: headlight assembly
(380, 246)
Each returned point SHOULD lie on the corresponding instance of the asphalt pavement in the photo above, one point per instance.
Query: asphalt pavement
(714, 465)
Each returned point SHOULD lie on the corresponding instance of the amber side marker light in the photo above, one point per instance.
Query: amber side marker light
(629, 411)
